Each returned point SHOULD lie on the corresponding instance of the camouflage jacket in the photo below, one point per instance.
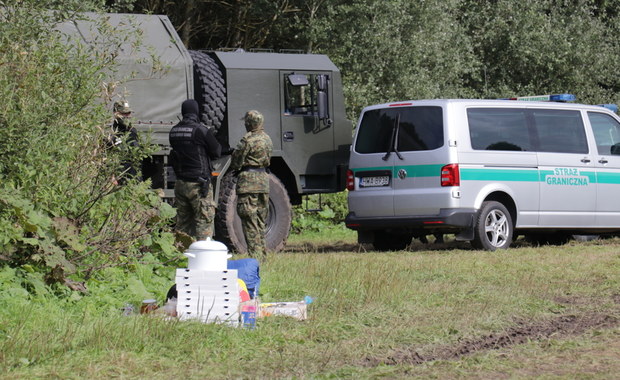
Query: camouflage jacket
(253, 151)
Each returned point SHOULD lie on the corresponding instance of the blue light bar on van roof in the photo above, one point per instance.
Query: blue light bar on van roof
(547, 98)
(612, 107)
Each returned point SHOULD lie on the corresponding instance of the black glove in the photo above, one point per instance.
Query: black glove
(228, 151)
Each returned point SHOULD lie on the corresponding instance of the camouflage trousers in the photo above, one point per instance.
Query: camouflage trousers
(195, 214)
(252, 209)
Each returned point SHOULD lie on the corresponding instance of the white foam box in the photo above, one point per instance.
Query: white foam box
(209, 302)
(208, 278)
(186, 272)
(231, 318)
(193, 291)
(197, 290)
(208, 296)
(214, 298)
(201, 308)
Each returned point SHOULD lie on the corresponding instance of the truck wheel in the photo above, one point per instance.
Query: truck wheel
(209, 89)
(493, 229)
(387, 241)
(228, 224)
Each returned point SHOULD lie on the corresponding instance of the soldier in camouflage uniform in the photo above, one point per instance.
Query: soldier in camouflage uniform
(125, 137)
(251, 159)
(193, 148)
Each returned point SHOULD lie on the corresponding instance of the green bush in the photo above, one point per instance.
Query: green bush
(318, 212)
(66, 208)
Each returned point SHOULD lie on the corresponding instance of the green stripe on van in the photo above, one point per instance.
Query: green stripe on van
(527, 175)
(609, 178)
(486, 174)
(412, 170)
(420, 170)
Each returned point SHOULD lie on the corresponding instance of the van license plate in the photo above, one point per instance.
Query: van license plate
(374, 181)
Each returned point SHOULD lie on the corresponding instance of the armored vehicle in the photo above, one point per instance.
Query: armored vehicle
(300, 96)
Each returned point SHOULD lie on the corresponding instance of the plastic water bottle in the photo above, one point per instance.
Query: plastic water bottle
(248, 316)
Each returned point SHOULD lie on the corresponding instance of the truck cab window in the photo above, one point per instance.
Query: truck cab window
(300, 94)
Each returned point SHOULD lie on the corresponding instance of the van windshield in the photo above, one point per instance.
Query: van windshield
(418, 128)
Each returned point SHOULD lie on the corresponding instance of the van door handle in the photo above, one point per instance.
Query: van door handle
(603, 161)
(585, 160)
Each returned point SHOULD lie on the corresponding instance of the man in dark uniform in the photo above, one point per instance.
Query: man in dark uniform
(251, 159)
(194, 146)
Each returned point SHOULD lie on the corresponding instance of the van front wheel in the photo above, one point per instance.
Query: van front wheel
(493, 229)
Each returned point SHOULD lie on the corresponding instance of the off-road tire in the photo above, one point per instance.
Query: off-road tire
(494, 228)
(209, 89)
(228, 224)
(387, 241)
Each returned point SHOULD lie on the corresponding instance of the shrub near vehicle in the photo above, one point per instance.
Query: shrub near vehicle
(485, 170)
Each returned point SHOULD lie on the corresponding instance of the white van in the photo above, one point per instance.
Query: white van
(485, 170)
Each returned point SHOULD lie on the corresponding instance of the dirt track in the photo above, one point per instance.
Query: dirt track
(565, 325)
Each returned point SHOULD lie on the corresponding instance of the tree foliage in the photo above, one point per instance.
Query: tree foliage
(397, 49)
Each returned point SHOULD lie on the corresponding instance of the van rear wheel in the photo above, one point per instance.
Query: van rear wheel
(493, 229)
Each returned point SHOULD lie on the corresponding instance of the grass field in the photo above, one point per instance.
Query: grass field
(434, 311)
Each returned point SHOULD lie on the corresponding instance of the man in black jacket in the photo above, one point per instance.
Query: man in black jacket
(193, 148)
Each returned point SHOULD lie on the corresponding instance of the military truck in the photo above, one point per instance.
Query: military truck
(300, 96)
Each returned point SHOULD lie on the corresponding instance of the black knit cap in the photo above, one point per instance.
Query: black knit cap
(190, 106)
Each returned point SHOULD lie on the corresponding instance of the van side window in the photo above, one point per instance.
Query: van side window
(560, 131)
(521, 129)
(498, 129)
(606, 133)
(417, 129)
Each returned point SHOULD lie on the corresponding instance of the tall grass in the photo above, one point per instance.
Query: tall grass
(367, 305)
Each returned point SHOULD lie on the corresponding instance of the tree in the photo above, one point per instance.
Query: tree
(396, 50)
(531, 47)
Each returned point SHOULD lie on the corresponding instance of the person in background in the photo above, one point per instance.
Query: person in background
(125, 137)
(250, 159)
(193, 147)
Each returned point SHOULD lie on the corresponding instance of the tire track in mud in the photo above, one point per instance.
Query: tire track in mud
(524, 331)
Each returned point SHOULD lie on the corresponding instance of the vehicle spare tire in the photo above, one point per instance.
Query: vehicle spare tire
(209, 89)
(228, 224)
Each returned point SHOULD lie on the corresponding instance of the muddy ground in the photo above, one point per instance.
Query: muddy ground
(576, 319)
(572, 323)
